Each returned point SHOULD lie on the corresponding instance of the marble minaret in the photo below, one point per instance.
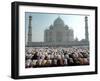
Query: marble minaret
(86, 29)
(30, 30)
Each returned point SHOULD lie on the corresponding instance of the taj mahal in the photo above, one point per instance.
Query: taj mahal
(58, 34)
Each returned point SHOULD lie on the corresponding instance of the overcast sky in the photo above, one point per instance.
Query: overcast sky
(42, 21)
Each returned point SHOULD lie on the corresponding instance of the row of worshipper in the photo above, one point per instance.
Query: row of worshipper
(59, 56)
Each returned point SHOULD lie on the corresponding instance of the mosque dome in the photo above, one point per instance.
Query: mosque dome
(59, 22)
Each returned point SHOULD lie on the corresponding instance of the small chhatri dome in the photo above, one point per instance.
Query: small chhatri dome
(66, 27)
(51, 27)
(58, 22)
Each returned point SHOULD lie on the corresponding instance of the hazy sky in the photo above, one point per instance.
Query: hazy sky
(42, 21)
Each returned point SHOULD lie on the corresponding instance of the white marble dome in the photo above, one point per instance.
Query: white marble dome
(59, 22)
